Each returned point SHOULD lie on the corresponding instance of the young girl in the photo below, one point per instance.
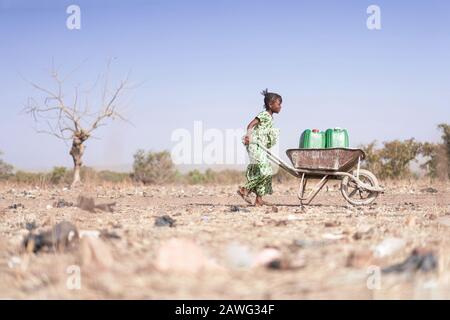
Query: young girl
(260, 131)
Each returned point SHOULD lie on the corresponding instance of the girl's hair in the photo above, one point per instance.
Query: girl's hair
(269, 97)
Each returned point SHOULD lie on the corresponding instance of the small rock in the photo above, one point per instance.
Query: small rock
(234, 209)
(94, 252)
(274, 209)
(333, 236)
(239, 256)
(105, 234)
(269, 257)
(61, 237)
(359, 259)
(16, 206)
(419, 260)
(332, 224)
(14, 262)
(429, 190)
(164, 221)
(182, 256)
(89, 233)
(388, 246)
(61, 203)
(293, 217)
(88, 204)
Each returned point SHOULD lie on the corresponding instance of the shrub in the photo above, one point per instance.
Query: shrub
(153, 167)
(5, 169)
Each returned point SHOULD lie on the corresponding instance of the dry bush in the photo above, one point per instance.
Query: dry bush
(211, 177)
(5, 169)
(153, 167)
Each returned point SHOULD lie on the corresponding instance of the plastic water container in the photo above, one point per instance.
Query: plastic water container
(312, 139)
(336, 138)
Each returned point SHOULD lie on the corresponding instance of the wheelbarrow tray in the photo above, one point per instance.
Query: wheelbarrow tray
(332, 159)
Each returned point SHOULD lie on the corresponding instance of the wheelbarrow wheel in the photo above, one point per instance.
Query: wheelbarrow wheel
(357, 195)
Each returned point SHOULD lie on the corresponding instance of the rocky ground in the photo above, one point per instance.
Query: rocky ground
(212, 245)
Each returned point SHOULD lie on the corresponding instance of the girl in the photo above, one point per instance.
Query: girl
(260, 130)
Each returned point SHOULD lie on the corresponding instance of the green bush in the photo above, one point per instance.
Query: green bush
(396, 157)
(393, 159)
(58, 175)
(153, 167)
(114, 177)
(5, 169)
(445, 160)
(30, 178)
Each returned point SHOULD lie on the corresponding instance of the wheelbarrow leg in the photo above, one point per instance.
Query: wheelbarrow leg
(301, 190)
(313, 193)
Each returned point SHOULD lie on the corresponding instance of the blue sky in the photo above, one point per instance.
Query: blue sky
(208, 61)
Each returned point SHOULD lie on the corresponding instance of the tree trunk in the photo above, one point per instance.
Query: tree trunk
(77, 152)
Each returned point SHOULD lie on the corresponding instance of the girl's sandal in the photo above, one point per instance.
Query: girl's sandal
(244, 196)
(263, 203)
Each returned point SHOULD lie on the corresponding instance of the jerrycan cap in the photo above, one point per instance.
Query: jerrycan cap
(315, 130)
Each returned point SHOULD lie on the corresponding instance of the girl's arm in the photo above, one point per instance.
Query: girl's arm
(250, 127)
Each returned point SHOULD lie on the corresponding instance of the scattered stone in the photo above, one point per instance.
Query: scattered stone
(164, 221)
(268, 257)
(278, 223)
(429, 190)
(61, 237)
(419, 260)
(293, 217)
(61, 203)
(274, 209)
(332, 224)
(14, 262)
(234, 208)
(430, 216)
(94, 252)
(310, 243)
(16, 206)
(30, 226)
(359, 259)
(105, 234)
(363, 232)
(333, 236)
(239, 256)
(183, 256)
(89, 233)
(388, 246)
(88, 204)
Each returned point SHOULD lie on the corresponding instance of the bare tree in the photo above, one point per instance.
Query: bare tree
(75, 119)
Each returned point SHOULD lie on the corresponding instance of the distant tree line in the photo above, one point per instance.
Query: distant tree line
(390, 160)
(393, 159)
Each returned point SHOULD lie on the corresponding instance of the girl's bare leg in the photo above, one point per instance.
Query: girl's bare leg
(260, 202)
(244, 193)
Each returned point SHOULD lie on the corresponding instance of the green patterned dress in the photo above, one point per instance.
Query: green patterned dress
(259, 171)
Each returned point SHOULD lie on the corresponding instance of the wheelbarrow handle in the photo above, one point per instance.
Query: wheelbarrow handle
(275, 159)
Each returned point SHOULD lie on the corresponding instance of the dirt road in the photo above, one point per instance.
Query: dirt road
(328, 250)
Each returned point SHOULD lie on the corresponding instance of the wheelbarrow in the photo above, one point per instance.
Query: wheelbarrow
(358, 186)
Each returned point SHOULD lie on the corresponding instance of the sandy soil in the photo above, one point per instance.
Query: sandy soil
(327, 249)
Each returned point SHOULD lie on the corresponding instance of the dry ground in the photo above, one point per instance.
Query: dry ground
(330, 242)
